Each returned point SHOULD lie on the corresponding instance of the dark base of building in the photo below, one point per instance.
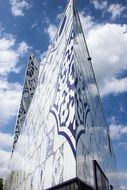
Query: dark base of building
(74, 184)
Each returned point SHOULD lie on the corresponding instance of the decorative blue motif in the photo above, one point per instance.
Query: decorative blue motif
(63, 108)
(69, 100)
(29, 88)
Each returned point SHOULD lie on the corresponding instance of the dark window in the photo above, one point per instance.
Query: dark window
(101, 181)
(62, 25)
(109, 143)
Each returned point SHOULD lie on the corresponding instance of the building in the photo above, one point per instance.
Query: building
(61, 137)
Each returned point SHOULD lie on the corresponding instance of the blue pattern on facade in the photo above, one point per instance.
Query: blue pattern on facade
(62, 127)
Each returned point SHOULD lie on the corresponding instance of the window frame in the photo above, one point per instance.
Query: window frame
(97, 168)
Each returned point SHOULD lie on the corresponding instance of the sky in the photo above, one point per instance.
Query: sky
(30, 25)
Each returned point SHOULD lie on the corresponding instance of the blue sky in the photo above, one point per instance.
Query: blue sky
(30, 25)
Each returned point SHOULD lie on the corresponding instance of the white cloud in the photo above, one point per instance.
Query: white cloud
(114, 86)
(5, 140)
(7, 42)
(107, 44)
(119, 175)
(18, 6)
(123, 187)
(23, 48)
(51, 31)
(87, 22)
(4, 159)
(10, 95)
(59, 16)
(9, 56)
(116, 10)
(123, 144)
(116, 131)
(99, 5)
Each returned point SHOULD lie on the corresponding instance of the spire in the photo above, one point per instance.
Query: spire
(64, 125)
(72, 1)
(30, 84)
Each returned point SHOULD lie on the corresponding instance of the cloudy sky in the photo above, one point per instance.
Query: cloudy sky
(30, 25)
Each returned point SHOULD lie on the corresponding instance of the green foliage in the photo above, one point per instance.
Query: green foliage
(1, 184)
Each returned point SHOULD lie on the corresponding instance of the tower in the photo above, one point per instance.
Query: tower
(63, 142)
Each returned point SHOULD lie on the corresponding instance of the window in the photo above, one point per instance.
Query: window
(101, 181)
(109, 143)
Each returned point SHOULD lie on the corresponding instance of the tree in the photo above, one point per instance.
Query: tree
(1, 184)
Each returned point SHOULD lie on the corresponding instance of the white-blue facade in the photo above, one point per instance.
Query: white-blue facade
(64, 129)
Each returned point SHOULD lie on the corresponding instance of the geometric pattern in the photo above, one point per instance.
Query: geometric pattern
(29, 88)
(60, 126)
